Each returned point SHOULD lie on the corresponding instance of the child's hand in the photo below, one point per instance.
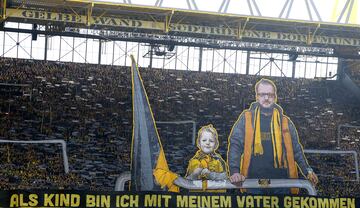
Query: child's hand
(205, 174)
(195, 174)
(197, 171)
(205, 171)
(210, 175)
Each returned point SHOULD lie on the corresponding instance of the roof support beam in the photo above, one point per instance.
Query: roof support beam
(193, 43)
(192, 5)
(256, 8)
(168, 21)
(288, 13)
(4, 10)
(227, 6)
(348, 10)
(73, 10)
(288, 6)
(158, 3)
(89, 13)
(311, 35)
(315, 9)
(4, 7)
(283, 9)
(241, 29)
(343, 10)
(308, 9)
(250, 8)
(224, 6)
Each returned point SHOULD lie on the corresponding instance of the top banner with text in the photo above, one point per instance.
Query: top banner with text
(224, 30)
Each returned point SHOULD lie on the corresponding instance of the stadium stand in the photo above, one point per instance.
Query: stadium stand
(89, 106)
(353, 68)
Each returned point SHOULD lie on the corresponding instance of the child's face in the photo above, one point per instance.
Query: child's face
(207, 142)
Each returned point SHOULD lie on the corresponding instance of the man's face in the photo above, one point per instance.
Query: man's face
(266, 95)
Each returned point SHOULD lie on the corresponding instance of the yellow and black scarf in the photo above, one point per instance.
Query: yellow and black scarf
(276, 137)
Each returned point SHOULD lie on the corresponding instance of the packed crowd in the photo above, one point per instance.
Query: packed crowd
(353, 69)
(89, 106)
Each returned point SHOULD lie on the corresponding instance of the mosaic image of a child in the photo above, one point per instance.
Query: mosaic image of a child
(206, 164)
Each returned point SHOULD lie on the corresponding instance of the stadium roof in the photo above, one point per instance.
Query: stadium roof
(337, 11)
(207, 18)
(183, 22)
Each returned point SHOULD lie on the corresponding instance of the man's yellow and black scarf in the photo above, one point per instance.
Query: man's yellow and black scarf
(276, 137)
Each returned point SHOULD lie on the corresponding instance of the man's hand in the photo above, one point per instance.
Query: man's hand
(237, 178)
(312, 177)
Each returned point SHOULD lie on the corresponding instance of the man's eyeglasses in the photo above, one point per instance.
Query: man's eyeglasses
(270, 95)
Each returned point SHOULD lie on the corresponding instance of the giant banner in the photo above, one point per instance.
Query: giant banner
(221, 30)
(95, 199)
